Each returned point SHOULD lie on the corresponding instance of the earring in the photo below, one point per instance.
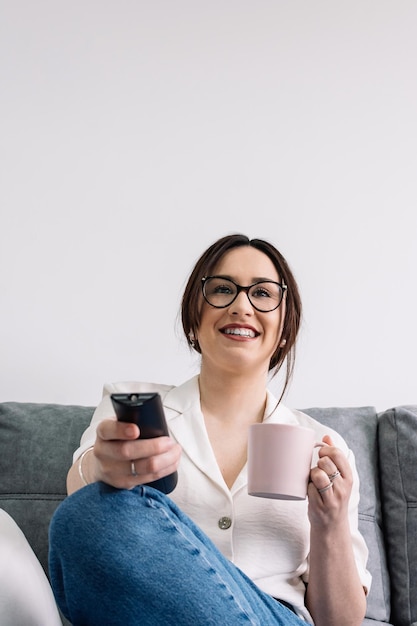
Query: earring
(283, 343)
(191, 338)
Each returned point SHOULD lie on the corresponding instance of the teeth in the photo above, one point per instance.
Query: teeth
(243, 332)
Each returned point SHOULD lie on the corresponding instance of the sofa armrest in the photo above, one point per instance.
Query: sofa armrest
(397, 436)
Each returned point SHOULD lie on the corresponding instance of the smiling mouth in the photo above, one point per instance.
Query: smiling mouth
(242, 332)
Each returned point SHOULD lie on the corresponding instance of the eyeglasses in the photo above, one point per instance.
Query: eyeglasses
(264, 296)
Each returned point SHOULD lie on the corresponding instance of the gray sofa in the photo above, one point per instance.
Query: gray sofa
(37, 442)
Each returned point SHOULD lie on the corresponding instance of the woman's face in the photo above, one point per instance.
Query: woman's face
(239, 336)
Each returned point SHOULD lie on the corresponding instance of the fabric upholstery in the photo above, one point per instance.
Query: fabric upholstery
(398, 452)
(36, 446)
(358, 426)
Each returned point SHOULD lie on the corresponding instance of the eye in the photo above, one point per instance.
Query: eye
(261, 292)
(219, 286)
(222, 289)
(268, 290)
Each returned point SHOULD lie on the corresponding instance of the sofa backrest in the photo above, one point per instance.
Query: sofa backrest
(36, 446)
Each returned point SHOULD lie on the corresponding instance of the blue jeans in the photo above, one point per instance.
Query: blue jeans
(133, 558)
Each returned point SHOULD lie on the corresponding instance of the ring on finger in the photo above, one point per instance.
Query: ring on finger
(333, 476)
(326, 488)
(133, 468)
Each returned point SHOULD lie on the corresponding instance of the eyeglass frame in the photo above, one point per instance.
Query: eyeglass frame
(240, 288)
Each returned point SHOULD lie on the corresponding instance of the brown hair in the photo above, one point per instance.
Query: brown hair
(191, 300)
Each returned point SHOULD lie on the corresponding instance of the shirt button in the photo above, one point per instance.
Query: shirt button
(224, 523)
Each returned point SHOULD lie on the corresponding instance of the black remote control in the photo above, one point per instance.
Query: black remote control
(145, 410)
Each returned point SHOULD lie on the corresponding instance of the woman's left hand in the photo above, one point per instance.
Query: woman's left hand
(330, 486)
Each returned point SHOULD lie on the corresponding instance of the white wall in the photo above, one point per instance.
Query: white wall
(134, 133)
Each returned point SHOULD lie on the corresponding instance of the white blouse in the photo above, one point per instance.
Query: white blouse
(268, 539)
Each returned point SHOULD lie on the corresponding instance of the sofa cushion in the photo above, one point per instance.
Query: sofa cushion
(397, 435)
(358, 426)
(36, 443)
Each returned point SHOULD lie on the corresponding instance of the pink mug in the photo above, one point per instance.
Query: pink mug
(279, 460)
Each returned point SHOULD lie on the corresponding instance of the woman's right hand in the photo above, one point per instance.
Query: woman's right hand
(116, 447)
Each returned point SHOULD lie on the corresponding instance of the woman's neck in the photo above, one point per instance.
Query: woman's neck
(230, 404)
(232, 398)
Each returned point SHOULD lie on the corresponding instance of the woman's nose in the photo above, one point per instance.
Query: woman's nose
(241, 304)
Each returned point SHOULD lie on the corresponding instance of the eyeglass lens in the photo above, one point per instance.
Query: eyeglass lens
(220, 293)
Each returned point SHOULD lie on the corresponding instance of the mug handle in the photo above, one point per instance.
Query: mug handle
(320, 444)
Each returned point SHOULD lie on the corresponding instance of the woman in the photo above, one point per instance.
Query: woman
(127, 553)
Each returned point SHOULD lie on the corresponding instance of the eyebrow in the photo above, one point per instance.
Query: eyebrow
(259, 279)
